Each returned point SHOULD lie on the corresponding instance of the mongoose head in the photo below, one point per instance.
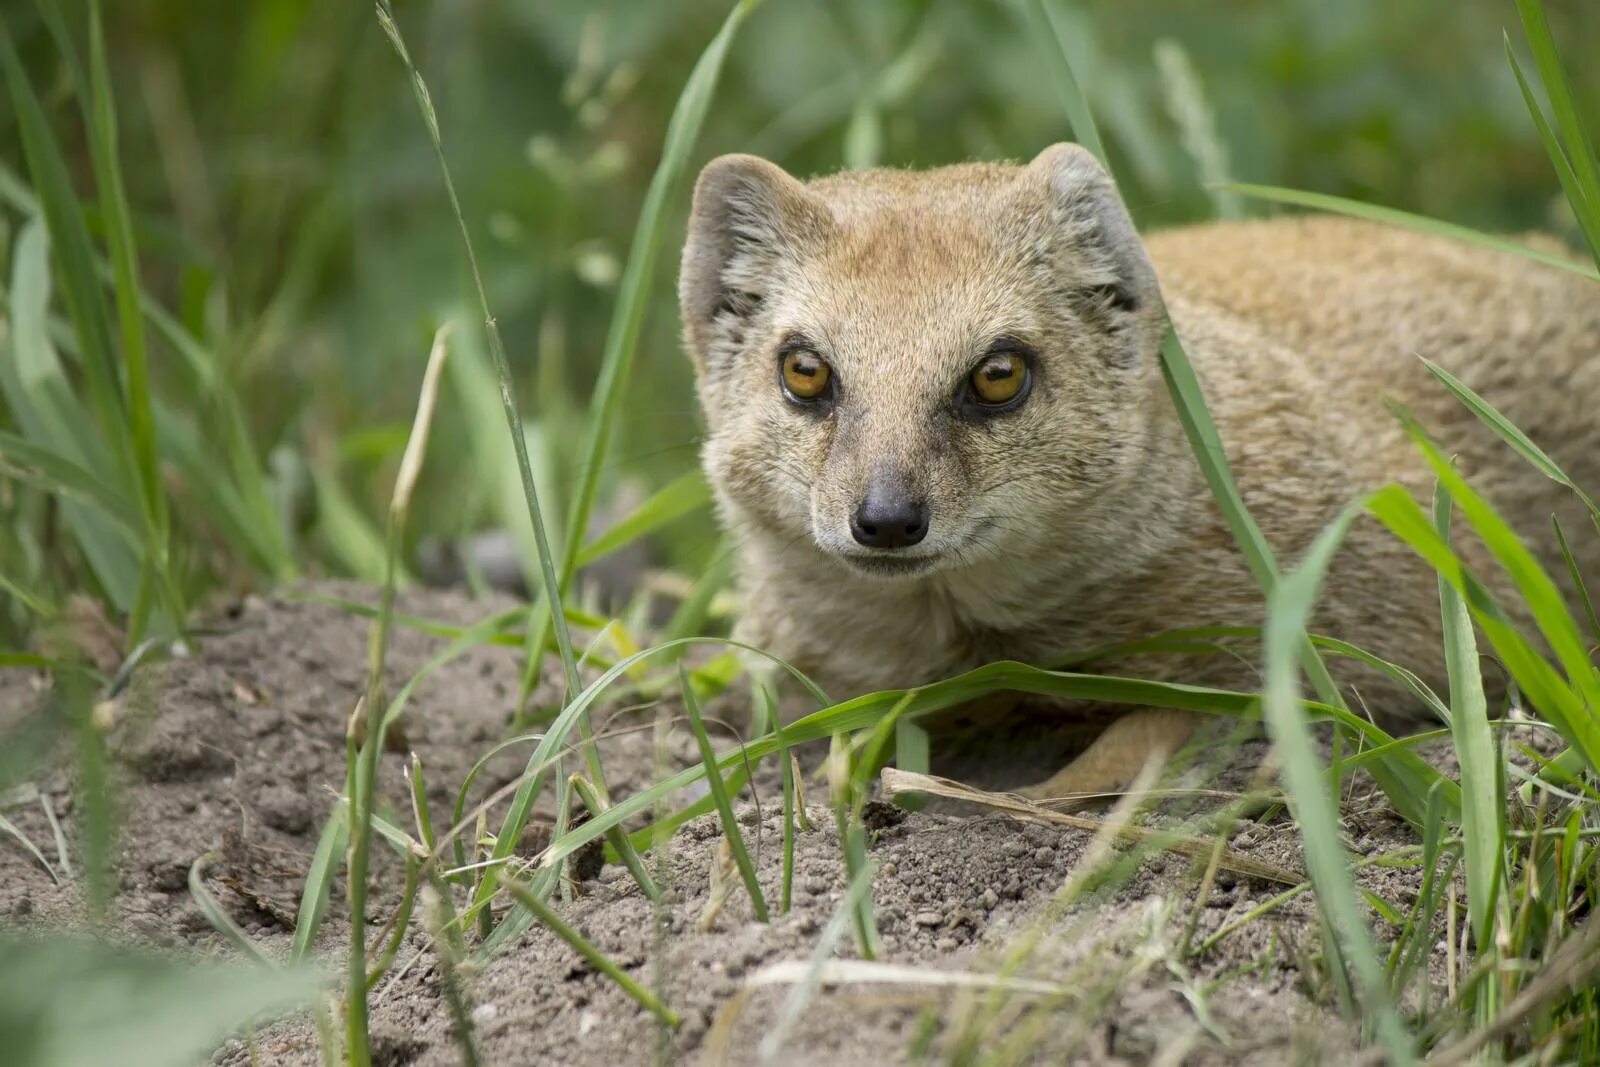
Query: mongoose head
(916, 372)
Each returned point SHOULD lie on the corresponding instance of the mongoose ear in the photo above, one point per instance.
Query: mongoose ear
(747, 212)
(1095, 244)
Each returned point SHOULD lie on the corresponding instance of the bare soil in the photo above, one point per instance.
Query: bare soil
(237, 753)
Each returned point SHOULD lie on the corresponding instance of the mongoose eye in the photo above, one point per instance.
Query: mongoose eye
(806, 376)
(999, 380)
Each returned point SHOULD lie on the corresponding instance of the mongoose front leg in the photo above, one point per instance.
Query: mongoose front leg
(1113, 759)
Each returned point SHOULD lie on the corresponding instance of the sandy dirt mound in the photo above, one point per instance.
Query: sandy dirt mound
(238, 750)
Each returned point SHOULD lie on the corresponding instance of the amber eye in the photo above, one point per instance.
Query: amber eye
(806, 375)
(999, 379)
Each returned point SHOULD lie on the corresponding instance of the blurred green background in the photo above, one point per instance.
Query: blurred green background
(290, 212)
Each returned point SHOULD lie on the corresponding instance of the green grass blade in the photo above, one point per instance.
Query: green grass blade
(1184, 385)
(1482, 787)
(547, 564)
(419, 804)
(1410, 778)
(1042, 25)
(218, 916)
(599, 960)
(1584, 211)
(367, 730)
(319, 881)
(682, 496)
(70, 244)
(617, 839)
(1207, 446)
(1539, 592)
(719, 796)
(1509, 433)
(124, 261)
(1542, 684)
(1578, 583)
(1315, 807)
(622, 340)
(1575, 138)
(1339, 205)
(246, 475)
(346, 533)
(75, 1002)
(57, 473)
(81, 292)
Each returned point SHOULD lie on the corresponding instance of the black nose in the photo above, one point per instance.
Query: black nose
(887, 520)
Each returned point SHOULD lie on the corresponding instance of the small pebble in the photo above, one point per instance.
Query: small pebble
(929, 918)
(991, 899)
(947, 944)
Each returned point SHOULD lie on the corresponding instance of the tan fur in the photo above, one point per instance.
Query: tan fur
(1082, 519)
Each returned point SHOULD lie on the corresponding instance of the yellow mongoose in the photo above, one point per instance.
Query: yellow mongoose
(939, 434)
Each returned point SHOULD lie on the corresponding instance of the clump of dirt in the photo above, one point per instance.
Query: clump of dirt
(237, 753)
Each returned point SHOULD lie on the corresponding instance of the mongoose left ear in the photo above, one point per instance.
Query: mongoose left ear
(748, 213)
(1096, 246)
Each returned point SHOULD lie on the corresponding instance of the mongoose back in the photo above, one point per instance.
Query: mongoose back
(939, 433)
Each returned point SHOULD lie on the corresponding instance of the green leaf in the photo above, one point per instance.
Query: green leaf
(70, 240)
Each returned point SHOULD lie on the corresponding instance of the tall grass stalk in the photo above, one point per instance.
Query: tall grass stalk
(135, 353)
(1315, 806)
(58, 416)
(369, 723)
(682, 131)
(1181, 380)
(1482, 774)
(599, 960)
(724, 803)
(633, 299)
(1571, 152)
(497, 351)
(1406, 220)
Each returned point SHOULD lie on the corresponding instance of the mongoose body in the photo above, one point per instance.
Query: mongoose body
(992, 468)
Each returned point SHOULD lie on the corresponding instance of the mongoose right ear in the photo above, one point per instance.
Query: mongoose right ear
(1096, 245)
(747, 212)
